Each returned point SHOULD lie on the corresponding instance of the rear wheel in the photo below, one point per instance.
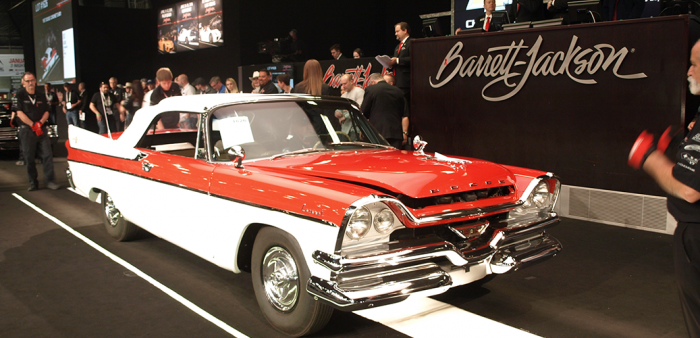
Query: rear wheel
(279, 275)
(115, 224)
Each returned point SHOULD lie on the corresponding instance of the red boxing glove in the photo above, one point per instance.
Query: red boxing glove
(641, 149)
(37, 129)
(671, 133)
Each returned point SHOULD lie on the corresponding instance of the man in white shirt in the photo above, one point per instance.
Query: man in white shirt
(185, 87)
(350, 91)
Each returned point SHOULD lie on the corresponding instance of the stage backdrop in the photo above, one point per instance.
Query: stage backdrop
(570, 100)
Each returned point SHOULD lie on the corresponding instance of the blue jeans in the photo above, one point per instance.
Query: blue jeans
(103, 124)
(72, 117)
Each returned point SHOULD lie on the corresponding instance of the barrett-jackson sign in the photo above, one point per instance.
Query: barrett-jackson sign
(570, 100)
(504, 65)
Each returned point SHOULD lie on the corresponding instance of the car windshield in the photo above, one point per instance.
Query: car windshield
(276, 129)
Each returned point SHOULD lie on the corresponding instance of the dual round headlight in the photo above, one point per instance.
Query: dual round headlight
(361, 223)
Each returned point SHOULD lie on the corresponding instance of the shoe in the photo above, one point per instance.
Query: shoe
(20, 162)
(53, 186)
(32, 188)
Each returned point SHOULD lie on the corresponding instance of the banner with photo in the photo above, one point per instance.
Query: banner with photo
(11, 64)
(190, 25)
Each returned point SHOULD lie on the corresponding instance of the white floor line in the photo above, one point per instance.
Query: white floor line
(196, 309)
(426, 317)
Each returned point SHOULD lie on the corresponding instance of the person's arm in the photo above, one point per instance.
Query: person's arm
(404, 127)
(94, 110)
(660, 168)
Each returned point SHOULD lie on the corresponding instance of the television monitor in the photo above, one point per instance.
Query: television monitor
(190, 25)
(282, 68)
(584, 11)
(54, 41)
(517, 25)
(547, 23)
(470, 31)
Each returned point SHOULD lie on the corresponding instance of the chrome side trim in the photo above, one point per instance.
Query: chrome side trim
(69, 174)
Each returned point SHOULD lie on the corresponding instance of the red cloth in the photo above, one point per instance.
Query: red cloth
(488, 23)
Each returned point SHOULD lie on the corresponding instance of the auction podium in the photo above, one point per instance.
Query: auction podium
(567, 99)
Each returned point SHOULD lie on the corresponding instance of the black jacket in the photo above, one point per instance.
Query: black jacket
(626, 9)
(385, 107)
(403, 68)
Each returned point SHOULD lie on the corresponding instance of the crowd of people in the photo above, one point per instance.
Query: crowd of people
(114, 105)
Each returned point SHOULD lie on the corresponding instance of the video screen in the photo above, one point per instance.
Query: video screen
(54, 42)
(190, 25)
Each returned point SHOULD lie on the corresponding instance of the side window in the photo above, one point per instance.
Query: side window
(173, 133)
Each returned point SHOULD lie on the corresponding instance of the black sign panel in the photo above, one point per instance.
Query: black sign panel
(569, 100)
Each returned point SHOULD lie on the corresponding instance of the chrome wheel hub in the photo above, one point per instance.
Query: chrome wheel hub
(280, 278)
(112, 212)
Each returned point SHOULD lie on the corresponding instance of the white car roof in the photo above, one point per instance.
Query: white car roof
(197, 104)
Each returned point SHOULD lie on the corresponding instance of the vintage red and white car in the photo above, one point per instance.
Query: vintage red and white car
(325, 215)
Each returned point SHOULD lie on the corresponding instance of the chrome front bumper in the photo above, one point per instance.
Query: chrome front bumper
(426, 268)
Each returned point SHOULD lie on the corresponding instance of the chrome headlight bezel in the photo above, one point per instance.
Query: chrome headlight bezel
(538, 204)
(359, 224)
(383, 222)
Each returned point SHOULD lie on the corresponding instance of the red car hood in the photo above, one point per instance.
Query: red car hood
(403, 172)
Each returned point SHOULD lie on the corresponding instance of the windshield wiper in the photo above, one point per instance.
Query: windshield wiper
(299, 152)
(361, 144)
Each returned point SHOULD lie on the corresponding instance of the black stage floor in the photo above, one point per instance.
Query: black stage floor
(607, 282)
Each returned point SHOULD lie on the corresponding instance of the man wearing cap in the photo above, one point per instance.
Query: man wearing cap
(254, 81)
(106, 108)
(71, 105)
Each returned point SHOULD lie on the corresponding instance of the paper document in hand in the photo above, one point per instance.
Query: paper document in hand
(384, 60)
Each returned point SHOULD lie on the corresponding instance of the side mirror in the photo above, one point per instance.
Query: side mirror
(419, 144)
(236, 154)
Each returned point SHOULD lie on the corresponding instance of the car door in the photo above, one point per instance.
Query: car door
(171, 195)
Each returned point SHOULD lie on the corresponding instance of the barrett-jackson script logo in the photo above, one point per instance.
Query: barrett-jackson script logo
(501, 65)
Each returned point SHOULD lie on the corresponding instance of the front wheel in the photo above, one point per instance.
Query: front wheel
(114, 222)
(279, 275)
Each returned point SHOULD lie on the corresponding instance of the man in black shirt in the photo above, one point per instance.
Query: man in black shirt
(680, 179)
(84, 106)
(166, 88)
(107, 109)
(266, 85)
(118, 94)
(52, 101)
(33, 111)
(71, 104)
